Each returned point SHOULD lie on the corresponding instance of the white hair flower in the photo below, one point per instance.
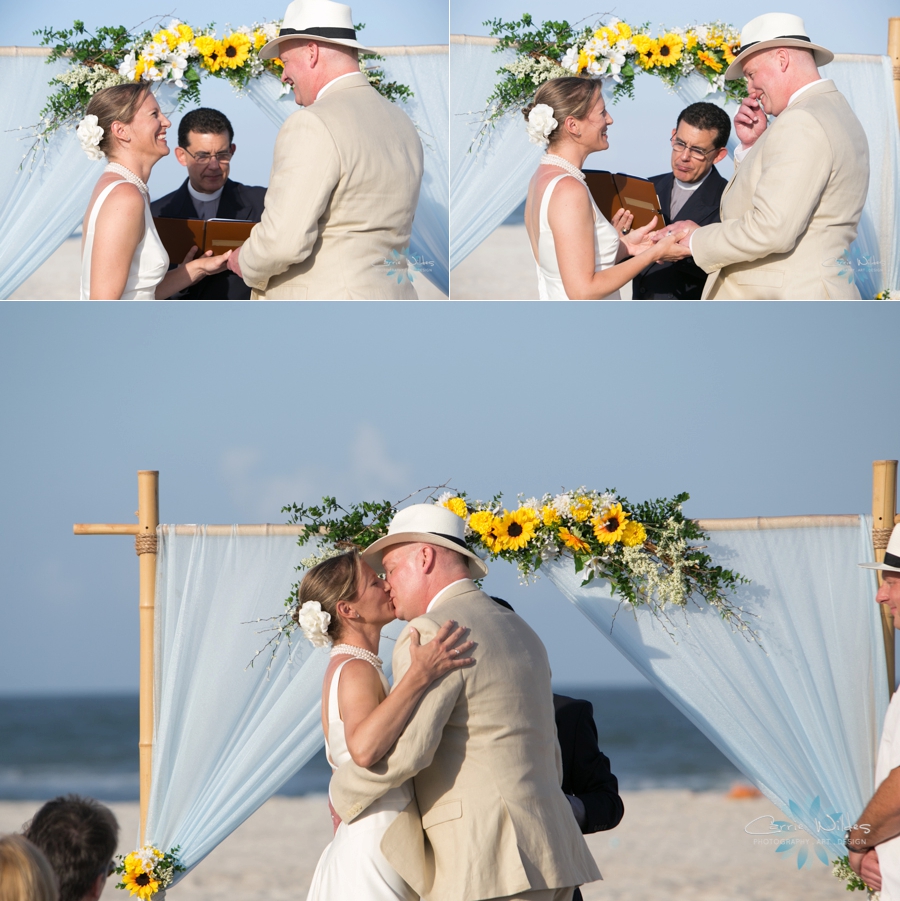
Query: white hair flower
(90, 134)
(540, 124)
(314, 621)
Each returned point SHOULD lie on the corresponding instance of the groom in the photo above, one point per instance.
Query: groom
(491, 820)
(345, 176)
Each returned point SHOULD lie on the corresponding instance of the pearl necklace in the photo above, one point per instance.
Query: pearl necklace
(351, 650)
(128, 175)
(551, 159)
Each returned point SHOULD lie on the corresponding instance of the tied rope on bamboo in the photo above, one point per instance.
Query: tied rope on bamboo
(146, 544)
(880, 538)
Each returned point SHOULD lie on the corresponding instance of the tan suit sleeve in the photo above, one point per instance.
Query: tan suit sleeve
(305, 170)
(796, 165)
(354, 788)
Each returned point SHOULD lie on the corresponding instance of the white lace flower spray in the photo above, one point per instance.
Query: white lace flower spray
(90, 134)
(314, 621)
(540, 124)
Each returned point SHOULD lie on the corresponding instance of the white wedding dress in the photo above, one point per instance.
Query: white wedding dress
(148, 265)
(352, 867)
(606, 247)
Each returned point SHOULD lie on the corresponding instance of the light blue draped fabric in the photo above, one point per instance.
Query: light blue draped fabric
(42, 203)
(227, 736)
(426, 74)
(800, 716)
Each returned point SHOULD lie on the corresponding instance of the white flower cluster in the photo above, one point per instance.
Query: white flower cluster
(320, 557)
(94, 78)
(570, 502)
(604, 59)
(665, 583)
(163, 62)
(314, 621)
(90, 134)
(538, 70)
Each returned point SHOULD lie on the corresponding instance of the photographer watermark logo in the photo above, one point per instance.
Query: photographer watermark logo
(851, 266)
(401, 264)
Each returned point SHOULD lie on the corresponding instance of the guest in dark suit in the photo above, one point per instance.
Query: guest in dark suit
(588, 782)
(692, 190)
(205, 148)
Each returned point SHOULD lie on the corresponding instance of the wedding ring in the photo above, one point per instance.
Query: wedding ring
(625, 231)
(668, 233)
(455, 651)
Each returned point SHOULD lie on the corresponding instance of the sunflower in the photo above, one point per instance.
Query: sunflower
(609, 527)
(730, 51)
(646, 48)
(211, 50)
(458, 506)
(572, 541)
(235, 50)
(583, 60)
(259, 40)
(635, 534)
(514, 530)
(581, 508)
(549, 515)
(709, 60)
(139, 883)
(669, 49)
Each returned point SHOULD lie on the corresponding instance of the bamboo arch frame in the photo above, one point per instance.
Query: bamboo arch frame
(884, 516)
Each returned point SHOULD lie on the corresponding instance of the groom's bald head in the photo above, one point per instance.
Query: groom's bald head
(310, 65)
(416, 572)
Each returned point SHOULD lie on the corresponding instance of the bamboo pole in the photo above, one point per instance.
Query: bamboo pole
(884, 506)
(145, 546)
(894, 54)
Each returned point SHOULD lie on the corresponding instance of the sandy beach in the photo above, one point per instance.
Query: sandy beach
(676, 845)
(59, 277)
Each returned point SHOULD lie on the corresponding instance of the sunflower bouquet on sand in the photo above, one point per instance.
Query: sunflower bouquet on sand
(148, 870)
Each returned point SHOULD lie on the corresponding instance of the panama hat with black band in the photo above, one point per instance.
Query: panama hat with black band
(430, 524)
(775, 30)
(315, 20)
(891, 555)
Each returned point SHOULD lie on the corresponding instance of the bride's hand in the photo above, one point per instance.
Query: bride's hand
(622, 221)
(445, 652)
(669, 249)
(200, 267)
(637, 240)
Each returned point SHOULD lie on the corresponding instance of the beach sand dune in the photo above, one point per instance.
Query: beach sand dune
(673, 845)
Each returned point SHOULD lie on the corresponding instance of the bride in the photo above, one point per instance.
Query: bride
(122, 256)
(579, 254)
(344, 601)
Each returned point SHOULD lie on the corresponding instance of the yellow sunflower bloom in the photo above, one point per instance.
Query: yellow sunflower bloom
(140, 68)
(572, 541)
(458, 506)
(635, 534)
(141, 884)
(728, 50)
(235, 50)
(211, 52)
(609, 527)
(583, 60)
(646, 48)
(581, 508)
(709, 60)
(259, 39)
(549, 515)
(669, 50)
(481, 522)
(514, 530)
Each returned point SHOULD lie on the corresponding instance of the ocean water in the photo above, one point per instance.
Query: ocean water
(89, 745)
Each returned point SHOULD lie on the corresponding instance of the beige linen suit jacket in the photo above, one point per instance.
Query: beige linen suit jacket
(341, 200)
(491, 819)
(791, 210)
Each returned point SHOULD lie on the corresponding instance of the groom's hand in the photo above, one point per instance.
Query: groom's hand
(234, 263)
(687, 226)
(750, 121)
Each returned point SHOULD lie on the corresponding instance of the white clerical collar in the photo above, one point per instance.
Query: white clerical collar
(443, 591)
(325, 87)
(805, 87)
(204, 198)
(691, 185)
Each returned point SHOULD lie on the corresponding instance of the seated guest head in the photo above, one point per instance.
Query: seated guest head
(205, 148)
(79, 837)
(134, 127)
(698, 141)
(25, 873)
(579, 110)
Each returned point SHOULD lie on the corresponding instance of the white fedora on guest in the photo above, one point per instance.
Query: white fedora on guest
(775, 30)
(891, 555)
(431, 524)
(315, 20)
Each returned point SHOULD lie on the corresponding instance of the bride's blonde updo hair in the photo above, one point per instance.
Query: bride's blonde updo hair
(332, 580)
(566, 97)
(119, 103)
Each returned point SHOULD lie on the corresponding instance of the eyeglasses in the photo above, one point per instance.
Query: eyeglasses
(222, 157)
(696, 153)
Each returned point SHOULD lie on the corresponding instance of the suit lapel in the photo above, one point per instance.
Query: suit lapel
(664, 192)
(231, 205)
(700, 204)
(185, 205)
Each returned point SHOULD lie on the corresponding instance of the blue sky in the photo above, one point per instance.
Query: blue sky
(755, 409)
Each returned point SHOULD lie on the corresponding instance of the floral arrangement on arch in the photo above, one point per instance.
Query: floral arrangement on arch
(148, 870)
(178, 54)
(610, 49)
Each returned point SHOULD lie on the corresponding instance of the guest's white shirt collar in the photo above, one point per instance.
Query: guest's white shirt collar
(805, 87)
(204, 198)
(325, 87)
(443, 591)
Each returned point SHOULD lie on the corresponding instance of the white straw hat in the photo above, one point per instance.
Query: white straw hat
(315, 20)
(431, 524)
(891, 555)
(775, 30)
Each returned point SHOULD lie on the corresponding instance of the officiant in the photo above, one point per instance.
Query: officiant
(205, 148)
(691, 190)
